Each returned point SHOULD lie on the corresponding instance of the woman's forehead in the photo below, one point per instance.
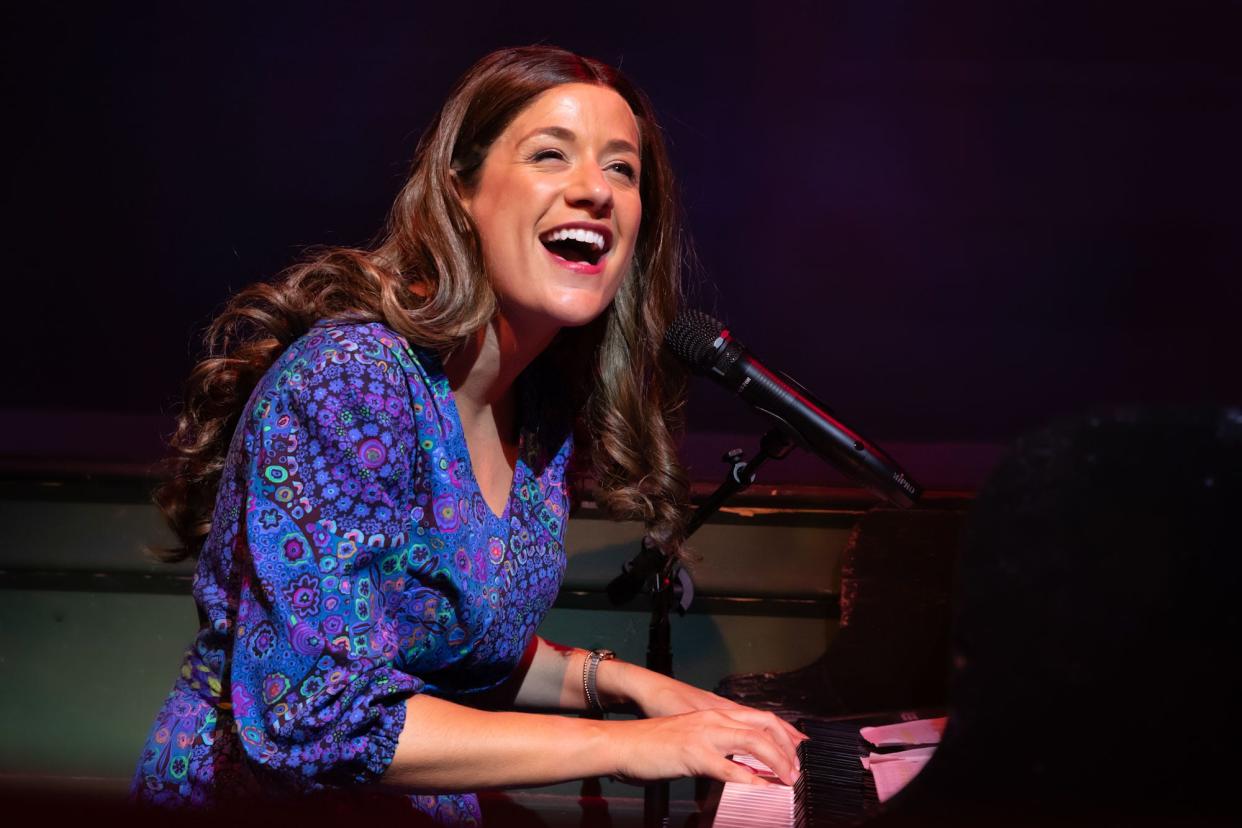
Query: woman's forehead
(577, 111)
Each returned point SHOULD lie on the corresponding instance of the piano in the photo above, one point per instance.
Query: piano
(1081, 637)
(890, 652)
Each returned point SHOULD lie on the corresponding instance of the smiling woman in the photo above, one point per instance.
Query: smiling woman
(372, 468)
(558, 209)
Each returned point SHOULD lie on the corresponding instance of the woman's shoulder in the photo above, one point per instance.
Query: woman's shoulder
(340, 357)
(374, 339)
(334, 342)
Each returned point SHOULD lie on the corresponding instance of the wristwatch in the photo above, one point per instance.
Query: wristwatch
(589, 668)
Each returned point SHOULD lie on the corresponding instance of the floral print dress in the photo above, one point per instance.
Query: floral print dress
(352, 563)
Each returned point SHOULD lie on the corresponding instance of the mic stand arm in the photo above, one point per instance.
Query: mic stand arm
(773, 445)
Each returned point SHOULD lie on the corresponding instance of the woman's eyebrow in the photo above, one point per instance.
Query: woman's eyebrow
(620, 145)
(560, 133)
(568, 135)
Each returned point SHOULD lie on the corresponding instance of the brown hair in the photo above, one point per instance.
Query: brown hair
(425, 280)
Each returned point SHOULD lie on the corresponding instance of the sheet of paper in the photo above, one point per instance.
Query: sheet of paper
(913, 754)
(917, 732)
(893, 770)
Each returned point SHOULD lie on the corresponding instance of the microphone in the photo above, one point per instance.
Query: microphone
(706, 345)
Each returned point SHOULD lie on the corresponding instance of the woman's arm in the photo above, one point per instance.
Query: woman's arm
(450, 747)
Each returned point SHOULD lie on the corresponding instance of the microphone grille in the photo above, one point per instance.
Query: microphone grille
(691, 336)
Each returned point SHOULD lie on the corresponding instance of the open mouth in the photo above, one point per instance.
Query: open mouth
(576, 244)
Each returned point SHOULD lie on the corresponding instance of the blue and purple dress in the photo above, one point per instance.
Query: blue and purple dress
(352, 563)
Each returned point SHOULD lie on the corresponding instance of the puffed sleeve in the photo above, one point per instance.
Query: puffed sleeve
(331, 445)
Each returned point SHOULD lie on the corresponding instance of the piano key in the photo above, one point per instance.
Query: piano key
(755, 806)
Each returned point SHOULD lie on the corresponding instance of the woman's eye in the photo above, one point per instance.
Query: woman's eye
(548, 155)
(624, 169)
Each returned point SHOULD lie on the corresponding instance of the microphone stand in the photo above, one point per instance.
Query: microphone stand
(673, 587)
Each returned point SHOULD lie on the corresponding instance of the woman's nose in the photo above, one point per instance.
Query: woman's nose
(590, 189)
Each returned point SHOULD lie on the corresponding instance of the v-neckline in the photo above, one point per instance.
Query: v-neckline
(451, 399)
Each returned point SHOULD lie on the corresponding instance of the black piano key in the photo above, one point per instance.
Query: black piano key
(834, 789)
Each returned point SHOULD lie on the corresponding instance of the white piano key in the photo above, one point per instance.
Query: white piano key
(755, 806)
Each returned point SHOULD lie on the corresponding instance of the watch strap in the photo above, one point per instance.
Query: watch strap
(589, 669)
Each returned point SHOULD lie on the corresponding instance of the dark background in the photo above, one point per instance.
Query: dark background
(951, 221)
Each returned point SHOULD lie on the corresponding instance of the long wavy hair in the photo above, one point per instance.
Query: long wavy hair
(424, 278)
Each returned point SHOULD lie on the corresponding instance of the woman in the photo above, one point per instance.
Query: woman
(389, 509)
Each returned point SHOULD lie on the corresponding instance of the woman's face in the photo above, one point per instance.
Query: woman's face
(557, 207)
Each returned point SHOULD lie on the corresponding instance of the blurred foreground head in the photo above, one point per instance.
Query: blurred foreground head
(1096, 617)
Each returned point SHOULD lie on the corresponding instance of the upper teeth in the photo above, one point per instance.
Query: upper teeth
(578, 234)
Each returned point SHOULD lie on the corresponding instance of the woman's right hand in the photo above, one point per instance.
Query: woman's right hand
(696, 744)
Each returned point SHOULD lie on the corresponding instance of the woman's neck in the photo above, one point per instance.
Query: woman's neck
(482, 373)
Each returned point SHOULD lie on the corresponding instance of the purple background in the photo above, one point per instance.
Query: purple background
(950, 221)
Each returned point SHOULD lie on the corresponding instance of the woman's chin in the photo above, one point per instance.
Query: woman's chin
(543, 321)
(578, 309)
(586, 317)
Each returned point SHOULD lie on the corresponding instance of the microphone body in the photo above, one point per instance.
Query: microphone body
(707, 346)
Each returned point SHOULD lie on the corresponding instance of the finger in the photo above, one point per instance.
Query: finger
(787, 733)
(797, 736)
(726, 770)
(794, 734)
(760, 744)
(782, 739)
(775, 727)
